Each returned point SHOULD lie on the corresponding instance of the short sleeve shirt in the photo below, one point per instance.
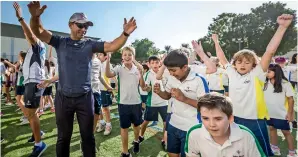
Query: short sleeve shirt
(128, 85)
(246, 93)
(277, 102)
(74, 62)
(194, 86)
(34, 63)
(241, 142)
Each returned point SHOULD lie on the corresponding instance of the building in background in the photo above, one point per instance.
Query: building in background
(13, 41)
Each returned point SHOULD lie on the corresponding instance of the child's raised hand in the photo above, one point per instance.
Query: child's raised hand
(197, 47)
(284, 20)
(214, 37)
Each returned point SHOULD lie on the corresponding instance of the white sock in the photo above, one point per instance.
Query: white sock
(292, 152)
(108, 124)
(38, 144)
(102, 122)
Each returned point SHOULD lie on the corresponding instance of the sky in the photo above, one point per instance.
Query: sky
(164, 23)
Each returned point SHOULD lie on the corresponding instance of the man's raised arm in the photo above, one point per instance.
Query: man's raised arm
(35, 21)
(128, 28)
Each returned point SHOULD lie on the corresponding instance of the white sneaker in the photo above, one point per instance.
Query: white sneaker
(276, 151)
(294, 155)
(108, 130)
(101, 127)
(9, 104)
(25, 121)
(114, 100)
(22, 118)
(47, 106)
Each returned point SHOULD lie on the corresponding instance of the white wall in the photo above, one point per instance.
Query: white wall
(12, 46)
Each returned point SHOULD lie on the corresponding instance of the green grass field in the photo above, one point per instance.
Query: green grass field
(16, 136)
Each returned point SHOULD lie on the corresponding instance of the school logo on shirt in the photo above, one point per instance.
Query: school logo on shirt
(188, 89)
(246, 81)
(238, 154)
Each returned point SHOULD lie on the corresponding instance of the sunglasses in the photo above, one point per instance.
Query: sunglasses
(82, 25)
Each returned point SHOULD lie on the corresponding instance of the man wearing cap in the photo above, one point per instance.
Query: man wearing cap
(74, 93)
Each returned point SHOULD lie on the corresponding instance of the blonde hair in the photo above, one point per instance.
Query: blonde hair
(215, 60)
(247, 54)
(129, 48)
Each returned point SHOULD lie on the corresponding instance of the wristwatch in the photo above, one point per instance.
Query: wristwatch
(21, 19)
(125, 34)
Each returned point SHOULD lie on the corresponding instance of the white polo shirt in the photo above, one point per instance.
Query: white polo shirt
(184, 115)
(128, 85)
(95, 73)
(246, 93)
(216, 79)
(199, 69)
(165, 78)
(225, 79)
(103, 74)
(287, 70)
(140, 89)
(241, 143)
(153, 99)
(293, 72)
(277, 102)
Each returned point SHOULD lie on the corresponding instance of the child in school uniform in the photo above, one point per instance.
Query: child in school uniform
(279, 99)
(143, 93)
(106, 98)
(155, 105)
(184, 87)
(246, 81)
(129, 76)
(218, 135)
(215, 80)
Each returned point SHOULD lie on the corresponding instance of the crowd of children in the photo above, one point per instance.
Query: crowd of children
(189, 96)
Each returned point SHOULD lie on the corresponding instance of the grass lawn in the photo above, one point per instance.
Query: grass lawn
(16, 136)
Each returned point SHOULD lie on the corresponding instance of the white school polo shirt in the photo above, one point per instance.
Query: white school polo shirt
(154, 100)
(241, 143)
(199, 69)
(277, 103)
(246, 93)
(165, 78)
(103, 74)
(128, 85)
(140, 89)
(95, 73)
(215, 80)
(184, 115)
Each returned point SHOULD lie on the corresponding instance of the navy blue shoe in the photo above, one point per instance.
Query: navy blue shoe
(153, 123)
(37, 151)
(32, 140)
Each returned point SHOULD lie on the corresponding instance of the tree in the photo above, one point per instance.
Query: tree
(252, 31)
(143, 47)
(116, 57)
(154, 51)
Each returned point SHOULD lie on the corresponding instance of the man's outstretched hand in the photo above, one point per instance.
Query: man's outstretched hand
(35, 9)
(129, 26)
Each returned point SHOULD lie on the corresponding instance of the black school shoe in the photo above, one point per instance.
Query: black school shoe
(136, 147)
